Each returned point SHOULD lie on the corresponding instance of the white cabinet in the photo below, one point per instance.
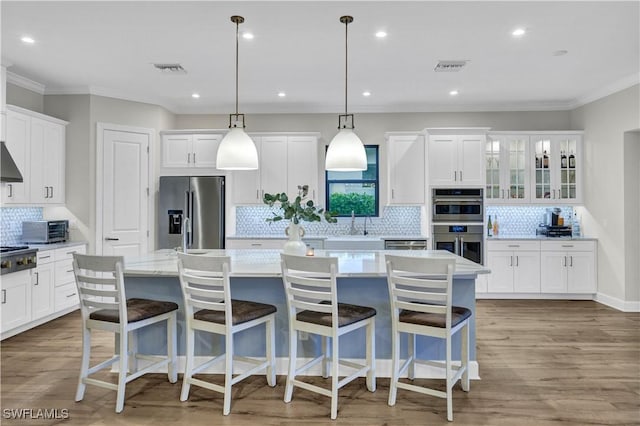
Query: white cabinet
(16, 299)
(190, 150)
(515, 266)
(507, 169)
(556, 161)
(406, 168)
(286, 161)
(568, 267)
(456, 159)
(65, 294)
(37, 144)
(43, 286)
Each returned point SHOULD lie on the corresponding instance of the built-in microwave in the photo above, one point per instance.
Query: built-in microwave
(458, 205)
(45, 231)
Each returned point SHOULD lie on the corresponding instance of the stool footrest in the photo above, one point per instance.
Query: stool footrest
(420, 389)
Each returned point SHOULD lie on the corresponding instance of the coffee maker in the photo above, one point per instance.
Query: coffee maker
(552, 217)
(553, 225)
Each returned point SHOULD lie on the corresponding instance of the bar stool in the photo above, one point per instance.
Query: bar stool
(312, 303)
(104, 306)
(208, 307)
(420, 292)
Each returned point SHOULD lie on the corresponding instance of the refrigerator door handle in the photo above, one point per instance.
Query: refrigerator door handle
(456, 246)
(191, 222)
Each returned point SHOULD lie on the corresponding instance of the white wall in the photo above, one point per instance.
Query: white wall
(604, 122)
(631, 214)
(25, 98)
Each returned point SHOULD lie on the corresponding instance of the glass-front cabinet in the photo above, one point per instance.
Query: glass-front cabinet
(557, 168)
(507, 173)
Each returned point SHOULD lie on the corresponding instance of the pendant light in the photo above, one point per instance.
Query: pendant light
(237, 151)
(346, 152)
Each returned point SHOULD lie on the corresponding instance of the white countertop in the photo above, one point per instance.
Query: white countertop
(266, 263)
(331, 237)
(53, 246)
(538, 237)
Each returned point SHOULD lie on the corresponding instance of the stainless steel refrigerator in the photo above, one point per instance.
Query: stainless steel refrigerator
(199, 198)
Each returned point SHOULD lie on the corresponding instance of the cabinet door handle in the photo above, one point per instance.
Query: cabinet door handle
(4, 296)
(393, 194)
(564, 261)
(188, 158)
(46, 192)
(571, 261)
(194, 158)
(517, 262)
(257, 194)
(460, 175)
(51, 191)
(314, 194)
(455, 175)
(510, 260)
(10, 185)
(71, 295)
(554, 194)
(37, 278)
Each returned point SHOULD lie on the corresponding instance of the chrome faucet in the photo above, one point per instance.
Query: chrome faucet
(365, 232)
(185, 236)
(353, 230)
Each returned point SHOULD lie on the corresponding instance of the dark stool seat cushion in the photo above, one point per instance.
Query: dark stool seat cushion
(347, 314)
(241, 311)
(458, 314)
(137, 310)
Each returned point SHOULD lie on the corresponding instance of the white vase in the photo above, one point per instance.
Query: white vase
(295, 244)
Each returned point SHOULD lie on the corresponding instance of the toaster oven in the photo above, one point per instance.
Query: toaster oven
(45, 231)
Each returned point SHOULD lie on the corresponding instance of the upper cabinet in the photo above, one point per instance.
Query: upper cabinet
(406, 168)
(456, 156)
(190, 149)
(37, 145)
(537, 168)
(286, 161)
(507, 169)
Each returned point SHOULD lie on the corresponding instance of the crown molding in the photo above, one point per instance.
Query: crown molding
(610, 89)
(25, 83)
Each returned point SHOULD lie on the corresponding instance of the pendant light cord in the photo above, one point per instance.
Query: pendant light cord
(237, 42)
(346, 63)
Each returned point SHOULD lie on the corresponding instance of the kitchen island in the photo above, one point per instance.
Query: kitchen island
(256, 276)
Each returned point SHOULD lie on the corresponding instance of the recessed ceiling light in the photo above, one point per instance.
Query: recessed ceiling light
(195, 95)
(281, 94)
(366, 93)
(518, 32)
(28, 40)
(560, 52)
(453, 92)
(381, 34)
(248, 36)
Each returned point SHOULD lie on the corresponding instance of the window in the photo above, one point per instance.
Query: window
(354, 191)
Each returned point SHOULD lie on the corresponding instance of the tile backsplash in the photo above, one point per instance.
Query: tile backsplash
(395, 220)
(523, 220)
(11, 219)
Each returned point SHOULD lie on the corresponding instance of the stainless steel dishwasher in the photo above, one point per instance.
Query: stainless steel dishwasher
(405, 244)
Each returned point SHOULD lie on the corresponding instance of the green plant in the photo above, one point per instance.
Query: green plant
(344, 204)
(298, 209)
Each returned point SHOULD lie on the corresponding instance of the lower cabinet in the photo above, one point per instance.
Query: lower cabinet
(568, 267)
(515, 267)
(270, 243)
(16, 303)
(544, 267)
(43, 286)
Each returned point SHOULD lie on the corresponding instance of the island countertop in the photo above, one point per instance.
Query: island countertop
(266, 263)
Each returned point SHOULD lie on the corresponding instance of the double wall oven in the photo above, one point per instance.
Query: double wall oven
(458, 222)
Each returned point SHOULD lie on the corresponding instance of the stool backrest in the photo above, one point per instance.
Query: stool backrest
(205, 283)
(100, 284)
(310, 284)
(420, 284)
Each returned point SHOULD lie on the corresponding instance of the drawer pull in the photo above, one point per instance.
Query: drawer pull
(45, 257)
(513, 245)
(4, 296)
(71, 252)
(37, 278)
(71, 295)
(70, 270)
(567, 245)
(256, 245)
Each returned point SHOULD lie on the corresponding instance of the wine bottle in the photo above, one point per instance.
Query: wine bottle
(495, 226)
(563, 160)
(489, 227)
(538, 162)
(572, 161)
(545, 160)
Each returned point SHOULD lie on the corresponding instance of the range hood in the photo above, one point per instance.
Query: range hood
(9, 171)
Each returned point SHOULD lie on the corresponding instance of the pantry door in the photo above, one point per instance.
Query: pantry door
(123, 194)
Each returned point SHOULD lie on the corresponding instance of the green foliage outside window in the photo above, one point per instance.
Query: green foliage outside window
(344, 204)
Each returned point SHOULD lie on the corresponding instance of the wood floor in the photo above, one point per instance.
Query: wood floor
(541, 363)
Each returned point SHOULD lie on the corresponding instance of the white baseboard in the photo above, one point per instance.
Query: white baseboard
(544, 296)
(619, 304)
(383, 368)
(35, 323)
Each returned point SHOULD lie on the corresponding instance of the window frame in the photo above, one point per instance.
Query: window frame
(375, 181)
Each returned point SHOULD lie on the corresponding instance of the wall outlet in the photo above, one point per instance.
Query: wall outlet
(303, 335)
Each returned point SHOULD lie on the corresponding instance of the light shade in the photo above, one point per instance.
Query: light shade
(237, 151)
(346, 153)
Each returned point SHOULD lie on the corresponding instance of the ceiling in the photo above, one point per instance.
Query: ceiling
(108, 48)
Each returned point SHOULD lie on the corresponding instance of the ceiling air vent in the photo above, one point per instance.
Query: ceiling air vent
(450, 66)
(170, 68)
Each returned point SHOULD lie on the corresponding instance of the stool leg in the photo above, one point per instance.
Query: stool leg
(371, 355)
(395, 365)
(84, 366)
(334, 377)
(449, 383)
(326, 364)
(411, 373)
(122, 376)
(465, 357)
(293, 353)
(271, 352)
(186, 378)
(172, 350)
(228, 372)
(133, 351)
